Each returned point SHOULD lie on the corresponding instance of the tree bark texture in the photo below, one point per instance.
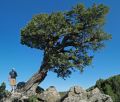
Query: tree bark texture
(34, 81)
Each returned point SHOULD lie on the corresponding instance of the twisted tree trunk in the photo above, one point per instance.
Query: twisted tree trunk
(35, 80)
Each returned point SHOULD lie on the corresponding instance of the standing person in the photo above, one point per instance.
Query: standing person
(12, 77)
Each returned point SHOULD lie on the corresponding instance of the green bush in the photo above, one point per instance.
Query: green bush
(33, 99)
(3, 91)
(110, 87)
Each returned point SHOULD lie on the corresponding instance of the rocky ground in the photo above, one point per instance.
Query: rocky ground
(75, 94)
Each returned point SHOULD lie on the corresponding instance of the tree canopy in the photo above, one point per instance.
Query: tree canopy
(68, 39)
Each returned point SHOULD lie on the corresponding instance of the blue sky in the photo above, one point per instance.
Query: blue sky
(15, 14)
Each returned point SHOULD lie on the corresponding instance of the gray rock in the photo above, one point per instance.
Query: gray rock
(75, 94)
(95, 91)
(16, 97)
(50, 95)
(78, 94)
(100, 98)
(76, 90)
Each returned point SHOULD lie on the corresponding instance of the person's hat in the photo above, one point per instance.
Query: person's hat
(13, 68)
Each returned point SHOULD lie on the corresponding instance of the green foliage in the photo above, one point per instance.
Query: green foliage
(68, 39)
(3, 91)
(111, 87)
(2, 87)
(33, 99)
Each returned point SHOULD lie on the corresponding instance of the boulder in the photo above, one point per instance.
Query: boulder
(50, 95)
(78, 94)
(20, 85)
(76, 90)
(96, 96)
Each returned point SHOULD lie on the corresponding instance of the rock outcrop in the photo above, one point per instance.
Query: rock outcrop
(78, 94)
(15, 97)
(75, 94)
(50, 95)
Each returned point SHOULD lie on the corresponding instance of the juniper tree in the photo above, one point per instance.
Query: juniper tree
(68, 40)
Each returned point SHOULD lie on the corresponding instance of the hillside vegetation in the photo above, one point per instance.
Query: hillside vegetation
(110, 86)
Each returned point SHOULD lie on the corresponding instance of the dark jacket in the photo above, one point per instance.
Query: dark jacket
(13, 74)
